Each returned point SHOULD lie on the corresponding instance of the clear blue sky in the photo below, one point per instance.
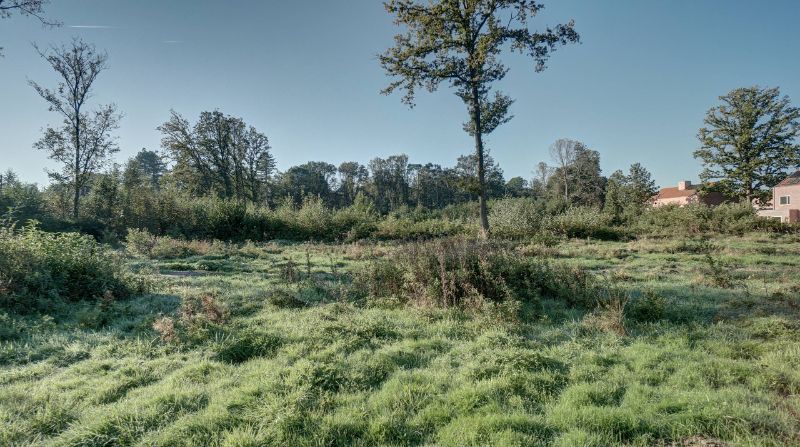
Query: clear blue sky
(305, 73)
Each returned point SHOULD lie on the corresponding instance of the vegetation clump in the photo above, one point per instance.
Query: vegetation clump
(39, 269)
(460, 272)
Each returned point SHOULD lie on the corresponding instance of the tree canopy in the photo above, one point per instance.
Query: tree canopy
(459, 42)
(84, 141)
(219, 153)
(749, 142)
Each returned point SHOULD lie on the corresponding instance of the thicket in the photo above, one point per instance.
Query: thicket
(518, 218)
(467, 272)
(38, 269)
(178, 215)
(525, 218)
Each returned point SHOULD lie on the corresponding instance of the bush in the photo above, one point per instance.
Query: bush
(729, 218)
(163, 247)
(357, 221)
(406, 228)
(141, 242)
(583, 222)
(38, 268)
(458, 272)
(515, 218)
(648, 307)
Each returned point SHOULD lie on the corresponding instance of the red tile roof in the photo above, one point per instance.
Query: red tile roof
(793, 179)
(674, 192)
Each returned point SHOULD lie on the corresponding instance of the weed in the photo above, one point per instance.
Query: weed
(610, 313)
(165, 327)
(289, 272)
(648, 307)
(718, 273)
(284, 299)
(248, 344)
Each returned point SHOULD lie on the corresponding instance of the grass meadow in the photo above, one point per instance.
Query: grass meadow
(285, 344)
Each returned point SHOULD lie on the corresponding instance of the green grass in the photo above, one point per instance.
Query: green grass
(295, 358)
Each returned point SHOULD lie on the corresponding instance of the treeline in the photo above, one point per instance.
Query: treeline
(149, 203)
(220, 166)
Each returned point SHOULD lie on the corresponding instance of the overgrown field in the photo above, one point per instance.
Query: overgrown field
(552, 343)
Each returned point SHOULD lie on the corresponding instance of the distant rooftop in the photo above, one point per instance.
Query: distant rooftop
(684, 189)
(793, 179)
(675, 192)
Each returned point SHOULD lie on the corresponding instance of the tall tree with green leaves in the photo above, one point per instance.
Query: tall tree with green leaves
(151, 164)
(589, 183)
(641, 186)
(219, 154)
(629, 194)
(749, 142)
(84, 141)
(459, 42)
(615, 200)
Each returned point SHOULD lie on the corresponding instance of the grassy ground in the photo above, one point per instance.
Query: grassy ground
(268, 345)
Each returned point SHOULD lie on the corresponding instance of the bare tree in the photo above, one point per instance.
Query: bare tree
(33, 8)
(563, 153)
(540, 177)
(83, 142)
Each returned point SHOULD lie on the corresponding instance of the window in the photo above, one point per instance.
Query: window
(786, 200)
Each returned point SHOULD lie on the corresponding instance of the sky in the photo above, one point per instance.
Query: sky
(306, 74)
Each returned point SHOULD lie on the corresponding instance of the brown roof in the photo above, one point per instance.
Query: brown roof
(793, 179)
(674, 192)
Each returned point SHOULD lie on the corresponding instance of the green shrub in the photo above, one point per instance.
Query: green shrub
(459, 272)
(314, 219)
(141, 242)
(357, 221)
(514, 218)
(164, 247)
(648, 307)
(406, 228)
(38, 268)
(583, 222)
(380, 278)
(697, 218)
(719, 273)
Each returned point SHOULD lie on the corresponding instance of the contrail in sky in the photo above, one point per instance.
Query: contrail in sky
(92, 26)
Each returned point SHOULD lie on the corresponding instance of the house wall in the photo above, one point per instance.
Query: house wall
(711, 199)
(782, 215)
(793, 191)
(786, 213)
(680, 201)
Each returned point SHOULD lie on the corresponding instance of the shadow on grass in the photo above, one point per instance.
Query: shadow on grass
(66, 334)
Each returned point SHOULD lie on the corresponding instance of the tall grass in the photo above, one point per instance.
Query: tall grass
(222, 360)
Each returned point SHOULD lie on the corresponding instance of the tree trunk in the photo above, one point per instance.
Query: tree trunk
(77, 197)
(76, 201)
(476, 120)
